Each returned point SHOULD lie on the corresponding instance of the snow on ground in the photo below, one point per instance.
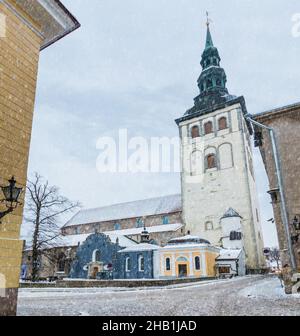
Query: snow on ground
(251, 295)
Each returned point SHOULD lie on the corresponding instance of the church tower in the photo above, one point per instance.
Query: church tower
(217, 165)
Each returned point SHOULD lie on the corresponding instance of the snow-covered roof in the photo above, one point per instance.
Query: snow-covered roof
(229, 254)
(140, 247)
(189, 246)
(151, 229)
(75, 240)
(188, 240)
(231, 213)
(141, 208)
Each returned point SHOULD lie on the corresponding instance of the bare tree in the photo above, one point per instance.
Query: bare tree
(44, 208)
(275, 256)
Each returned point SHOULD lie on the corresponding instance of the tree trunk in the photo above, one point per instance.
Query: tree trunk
(35, 252)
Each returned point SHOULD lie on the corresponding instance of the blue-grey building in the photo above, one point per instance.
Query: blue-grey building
(96, 257)
(136, 262)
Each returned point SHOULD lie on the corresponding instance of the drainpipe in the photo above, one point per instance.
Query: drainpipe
(284, 215)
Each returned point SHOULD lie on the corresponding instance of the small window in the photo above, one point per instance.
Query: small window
(211, 161)
(234, 235)
(209, 83)
(166, 220)
(139, 223)
(208, 127)
(197, 263)
(141, 264)
(195, 132)
(127, 264)
(117, 226)
(219, 82)
(209, 226)
(168, 264)
(223, 123)
(96, 256)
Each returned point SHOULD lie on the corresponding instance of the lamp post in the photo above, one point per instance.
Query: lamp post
(11, 197)
(296, 226)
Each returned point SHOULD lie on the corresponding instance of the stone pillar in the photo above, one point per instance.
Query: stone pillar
(191, 265)
(203, 264)
(173, 265)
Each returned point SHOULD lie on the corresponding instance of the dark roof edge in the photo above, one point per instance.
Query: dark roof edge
(231, 102)
(276, 110)
(67, 32)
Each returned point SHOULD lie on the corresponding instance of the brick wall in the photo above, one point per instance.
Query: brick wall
(128, 223)
(286, 124)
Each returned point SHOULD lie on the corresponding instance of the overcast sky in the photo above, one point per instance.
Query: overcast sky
(134, 64)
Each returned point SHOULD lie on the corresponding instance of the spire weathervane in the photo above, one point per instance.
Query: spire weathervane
(208, 20)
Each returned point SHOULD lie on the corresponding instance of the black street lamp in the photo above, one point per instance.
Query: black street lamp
(11, 197)
(296, 225)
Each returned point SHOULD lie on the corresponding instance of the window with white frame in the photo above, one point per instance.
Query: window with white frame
(127, 264)
(141, 263)
(168, 264)
(197, 263)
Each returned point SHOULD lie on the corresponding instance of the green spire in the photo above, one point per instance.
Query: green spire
(212, 81)
(209, 41)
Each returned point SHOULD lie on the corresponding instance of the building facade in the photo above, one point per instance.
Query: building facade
(161, 216)
(26, 27)
(186, 257)
(285, 122)
(217, 161)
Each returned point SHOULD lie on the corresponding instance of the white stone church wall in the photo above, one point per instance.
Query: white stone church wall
(207, 195)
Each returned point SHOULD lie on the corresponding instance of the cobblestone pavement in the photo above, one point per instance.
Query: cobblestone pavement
(252, 295)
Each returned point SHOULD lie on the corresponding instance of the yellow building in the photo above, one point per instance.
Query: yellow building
(26, 27)
(186, 257)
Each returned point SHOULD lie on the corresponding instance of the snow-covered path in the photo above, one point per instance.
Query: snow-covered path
(256, 295)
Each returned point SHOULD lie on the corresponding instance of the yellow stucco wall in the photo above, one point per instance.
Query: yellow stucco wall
(19, 56)
(211, 262)
(209, 256)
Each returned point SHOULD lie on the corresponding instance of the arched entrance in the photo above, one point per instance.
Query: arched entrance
(182, 267)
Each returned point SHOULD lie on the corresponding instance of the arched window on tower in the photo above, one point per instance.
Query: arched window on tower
(211, 161)
(219, 82)
(208, 127)
(195, 132)
(209, 83)
(222, 123)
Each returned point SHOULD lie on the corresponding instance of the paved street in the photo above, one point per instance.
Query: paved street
(255, 295)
